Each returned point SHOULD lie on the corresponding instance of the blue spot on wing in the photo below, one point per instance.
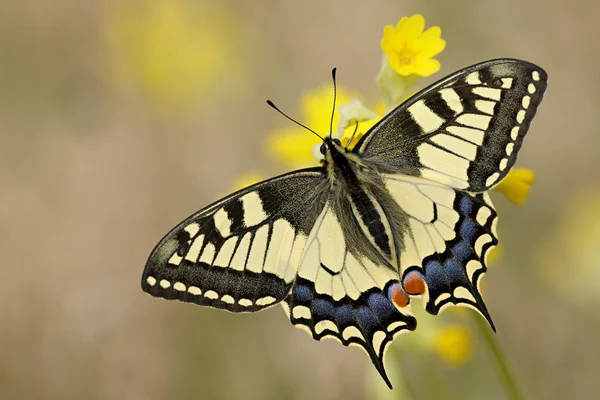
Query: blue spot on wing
(367, 321)
(344, 315)
(466, 205)
(381, 305)
(463, 251)
(302, 293)
(468, 229)
(323, 309)
(454, 271)
(435, 278)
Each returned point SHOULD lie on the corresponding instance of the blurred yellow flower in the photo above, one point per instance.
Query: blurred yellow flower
(353, 113)
(409, 49)
(569, 258)
(516, 185)
(294, 145)
(454, 344)
(171, 51)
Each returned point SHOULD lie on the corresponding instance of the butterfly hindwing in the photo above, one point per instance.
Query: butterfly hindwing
(465, 130)
(451, 232)
(241, 253)
(339, 294)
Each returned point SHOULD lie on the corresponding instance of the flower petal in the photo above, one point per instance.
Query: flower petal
(426, 66)
(516, 185)
(430, 44)
(293, 146)
(410, 29)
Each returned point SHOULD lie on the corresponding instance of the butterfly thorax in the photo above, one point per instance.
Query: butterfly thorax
(354, 191)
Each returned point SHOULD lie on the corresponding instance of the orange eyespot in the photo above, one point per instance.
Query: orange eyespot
(414, 284)
(397, 295)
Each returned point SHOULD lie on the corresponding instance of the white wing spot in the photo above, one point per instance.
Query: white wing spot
(265, 301)
(222, 222)
(227, 299)
(225, 252)
(254, 212)
(378, 338)
(165, 284)
(325, 325)
(194, 290)
(525, 102)
(488, 92)
(192, 229)
(211, 294)
(208, 255)
(514, 133)
(472, 267)
(462, 293)
(151, 280)
(483, 215)
(180, 287)
(175, 259)
(507, 83)
(485, 106)
(482, 241)
(475, 120)
(351, 332)
(470, 134)
(435, 158)
(282, 240)
(194, 250)
(503, 164)
(510, 148)
(424, 117)
(458, 146)
(452, 100)
(257, 251)
(521, 116)
(241, 253)
(531, 88)
(492, 179)
(245, 302)
(535, 75)
(300, 312)
(473, 78)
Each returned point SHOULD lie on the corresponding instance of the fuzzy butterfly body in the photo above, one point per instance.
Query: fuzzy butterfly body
(343, 247)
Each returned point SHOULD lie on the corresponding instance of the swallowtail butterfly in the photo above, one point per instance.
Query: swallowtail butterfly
(344, 246)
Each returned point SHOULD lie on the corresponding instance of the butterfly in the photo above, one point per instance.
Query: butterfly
(345, 246)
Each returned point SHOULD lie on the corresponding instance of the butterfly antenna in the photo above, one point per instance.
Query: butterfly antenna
(352, 137)
(269, 102)
(334, 98)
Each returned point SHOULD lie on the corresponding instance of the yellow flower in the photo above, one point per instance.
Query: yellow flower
(454, 344)
(354, 112)
(569, 257)
(409, 49)
(516, 185)
(294, 145)
(170, 51)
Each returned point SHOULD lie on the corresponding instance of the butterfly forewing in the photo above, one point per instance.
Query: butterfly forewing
(241, 253)
(465, 130)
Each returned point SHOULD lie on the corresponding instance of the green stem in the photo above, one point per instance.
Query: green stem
(510, 384)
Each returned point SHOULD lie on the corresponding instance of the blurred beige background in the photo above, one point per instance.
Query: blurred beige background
(119, 119)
